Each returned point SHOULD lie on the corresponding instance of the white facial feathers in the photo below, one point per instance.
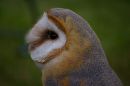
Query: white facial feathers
(42, 51)
(41, 25)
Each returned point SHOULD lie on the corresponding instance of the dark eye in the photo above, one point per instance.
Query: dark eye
(51, 35)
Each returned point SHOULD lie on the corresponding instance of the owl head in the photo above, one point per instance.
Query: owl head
(60, 40)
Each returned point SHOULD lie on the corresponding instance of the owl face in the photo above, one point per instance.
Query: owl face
(57, 42)
(45, 40)
(62, 44)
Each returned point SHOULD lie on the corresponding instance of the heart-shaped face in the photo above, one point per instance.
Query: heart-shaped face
(45, 40)
(57, 43)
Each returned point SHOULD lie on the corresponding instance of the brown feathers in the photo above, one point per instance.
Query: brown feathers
(73, 56)
(70, 57)
(57, 21)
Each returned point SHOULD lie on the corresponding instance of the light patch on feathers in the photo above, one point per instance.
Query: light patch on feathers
(44, 49)
(40, 26)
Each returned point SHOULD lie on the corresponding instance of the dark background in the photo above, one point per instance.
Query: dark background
(110, 19)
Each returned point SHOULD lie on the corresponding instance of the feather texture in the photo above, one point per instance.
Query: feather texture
(81, 61)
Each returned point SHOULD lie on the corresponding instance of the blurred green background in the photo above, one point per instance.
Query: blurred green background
(110, 19)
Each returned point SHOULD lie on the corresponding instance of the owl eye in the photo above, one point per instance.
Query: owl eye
(51, 35)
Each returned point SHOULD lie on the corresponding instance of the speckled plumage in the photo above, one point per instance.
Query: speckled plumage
(81, 61)
(95, 70)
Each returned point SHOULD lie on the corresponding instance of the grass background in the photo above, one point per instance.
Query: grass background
(110, 19)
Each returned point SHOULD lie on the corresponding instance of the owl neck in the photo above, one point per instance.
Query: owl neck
(85, 77)
(94, 72)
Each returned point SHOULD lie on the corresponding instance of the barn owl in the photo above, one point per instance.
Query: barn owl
(68, 51)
